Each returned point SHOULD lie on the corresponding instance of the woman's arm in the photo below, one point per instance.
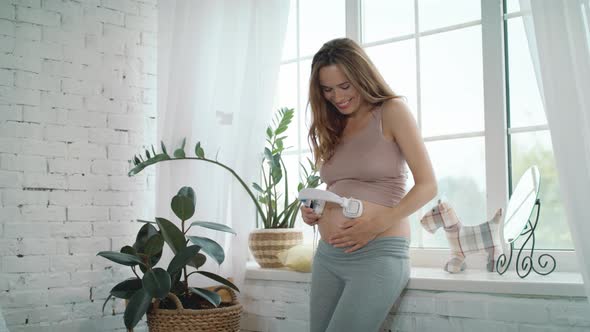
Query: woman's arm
(398, 120)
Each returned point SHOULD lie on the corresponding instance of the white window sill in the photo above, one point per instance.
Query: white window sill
(478, 281)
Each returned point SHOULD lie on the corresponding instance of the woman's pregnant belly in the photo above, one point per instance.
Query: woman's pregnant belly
(332, 217)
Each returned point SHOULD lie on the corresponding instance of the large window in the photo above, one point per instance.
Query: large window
(528, 133)
(432, 52)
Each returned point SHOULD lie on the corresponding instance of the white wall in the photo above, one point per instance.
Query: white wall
(281, 305)
(77, 100)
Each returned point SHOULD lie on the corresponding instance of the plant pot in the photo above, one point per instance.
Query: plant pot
(225, 319)
(266, 244)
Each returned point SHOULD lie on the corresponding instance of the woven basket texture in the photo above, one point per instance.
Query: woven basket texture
(265, 246)
(225, 319)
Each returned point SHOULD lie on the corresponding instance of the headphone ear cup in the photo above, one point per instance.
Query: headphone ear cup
(353, 209)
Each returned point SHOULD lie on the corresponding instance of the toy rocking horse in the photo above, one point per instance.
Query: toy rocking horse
(465, 240)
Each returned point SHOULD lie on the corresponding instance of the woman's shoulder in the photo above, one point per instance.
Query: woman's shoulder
(395, 109)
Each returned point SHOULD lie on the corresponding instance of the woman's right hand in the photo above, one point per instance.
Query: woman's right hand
(309, 217)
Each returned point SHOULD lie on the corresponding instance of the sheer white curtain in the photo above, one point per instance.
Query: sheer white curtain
(559, 40)
(218, 62)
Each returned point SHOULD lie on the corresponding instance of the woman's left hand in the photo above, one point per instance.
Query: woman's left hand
(356, 233)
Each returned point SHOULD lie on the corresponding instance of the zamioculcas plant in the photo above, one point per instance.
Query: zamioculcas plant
(189, 255)
(275, 209)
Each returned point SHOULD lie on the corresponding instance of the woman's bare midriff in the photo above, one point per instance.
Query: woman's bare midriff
(332, 217)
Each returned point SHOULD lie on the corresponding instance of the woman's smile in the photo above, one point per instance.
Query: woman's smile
(344, 104)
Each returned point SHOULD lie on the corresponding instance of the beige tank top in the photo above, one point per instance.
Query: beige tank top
(367, 166)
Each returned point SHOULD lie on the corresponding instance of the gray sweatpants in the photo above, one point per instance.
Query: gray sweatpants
(354, 292)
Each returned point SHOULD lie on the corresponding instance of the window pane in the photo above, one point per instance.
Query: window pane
(287, 97)
(290, 45)
(397, 63)
(452, 82)
(383, 19)
(459, 165)
(534, 148)
(586, 19)
(304, 110)
(526, 107)
(418, 233)
(512, 6)
(320, 21)
(435, 14)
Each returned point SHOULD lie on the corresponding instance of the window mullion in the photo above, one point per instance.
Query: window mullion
(494, 106)
(353, 20)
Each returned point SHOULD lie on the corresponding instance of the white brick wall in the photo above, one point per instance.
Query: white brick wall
(282, 306)
(77, 87)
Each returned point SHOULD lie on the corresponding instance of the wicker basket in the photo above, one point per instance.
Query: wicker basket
(226, 319)
(266, 244)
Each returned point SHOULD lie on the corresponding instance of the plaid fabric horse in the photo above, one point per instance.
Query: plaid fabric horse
(465, 240)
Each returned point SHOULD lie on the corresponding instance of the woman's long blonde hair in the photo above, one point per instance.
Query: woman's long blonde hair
(327, 122)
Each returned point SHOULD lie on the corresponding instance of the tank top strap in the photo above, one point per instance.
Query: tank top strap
(377, 117)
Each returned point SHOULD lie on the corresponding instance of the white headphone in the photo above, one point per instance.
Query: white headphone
(316, 199)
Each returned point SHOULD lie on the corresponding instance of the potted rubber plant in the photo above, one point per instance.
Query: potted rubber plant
(165, 294)
(276, 203)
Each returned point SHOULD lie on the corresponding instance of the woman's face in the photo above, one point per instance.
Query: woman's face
(338, 90)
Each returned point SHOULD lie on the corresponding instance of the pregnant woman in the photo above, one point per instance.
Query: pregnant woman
(362, 135)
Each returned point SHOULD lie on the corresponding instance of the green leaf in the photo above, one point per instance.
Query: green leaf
(154, 245)
(210, 247)
(269, 132)
(215, 226)
(154, 150)
(276, 173)
(183, 207)
(143, 164)
(219, 279)
(305, 172)
(120, 258)
(198, 261)
(163, 147)
(280, 130)
(263, 199)
(257, 187)
(128, 250)
(137, 307)
(143, 235)
(179, 153)
(300, 186)
(268, 154)
(147, 154)
(208, 295)
(182, 258)
(188, 192)
(313, 181)
(126, 289)
(172, 235)
(157, 283)
(199, 152)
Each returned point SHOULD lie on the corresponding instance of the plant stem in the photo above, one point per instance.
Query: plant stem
(286, 189)
(244, 185)
(184, 268)
(133, 269)
(268, 194)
